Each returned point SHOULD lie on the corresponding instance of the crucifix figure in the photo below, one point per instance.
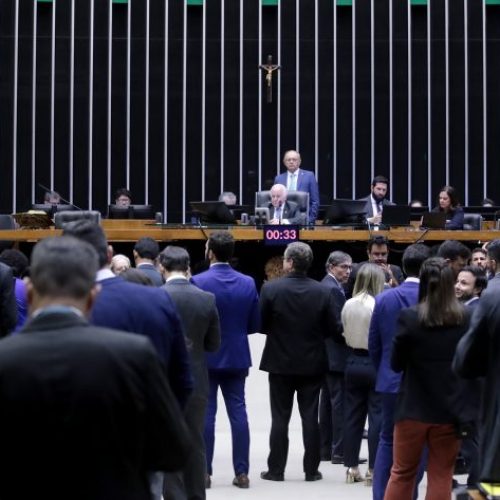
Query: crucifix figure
(269, 67)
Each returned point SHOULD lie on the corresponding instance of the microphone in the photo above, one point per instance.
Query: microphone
(45, 188)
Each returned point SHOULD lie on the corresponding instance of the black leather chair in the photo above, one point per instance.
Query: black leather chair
(472, 222)
(61, 218)
(263, 198)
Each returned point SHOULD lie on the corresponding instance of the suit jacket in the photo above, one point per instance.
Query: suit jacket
(289, 211)
(200, 321)
(306, 181)
(238, 306)
(478, 355)
(8, 307)
(84, 406)
(335, 346)
(298, 314)
(430, 391)
(369, 207)
(148, 311)
(152, 273)
(388, 305)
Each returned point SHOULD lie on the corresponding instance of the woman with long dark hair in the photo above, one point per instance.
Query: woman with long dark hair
(449, 204)
(431, 405)
(361, 400)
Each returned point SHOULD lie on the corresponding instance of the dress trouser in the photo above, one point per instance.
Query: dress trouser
(232, 385)
(189, 483)
(383, 460)
(331, 415)
(281, 391)
(360, 400)
(410, 437)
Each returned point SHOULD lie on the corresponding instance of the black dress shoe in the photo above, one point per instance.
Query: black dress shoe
(269, 476)
(315, 476)
(241, 481)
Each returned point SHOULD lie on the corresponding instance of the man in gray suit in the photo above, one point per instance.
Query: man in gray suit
(200, 321)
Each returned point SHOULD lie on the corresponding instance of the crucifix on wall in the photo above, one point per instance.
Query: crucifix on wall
(269, 68)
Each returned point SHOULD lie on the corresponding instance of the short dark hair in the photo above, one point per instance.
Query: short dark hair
(123, 192)
(136, 276)
(488, 201)
(92, 233)
(380, 179)
(452, 249)
(413, 258)
(377, 240)
(479, 250)
(16, 260)
(63, 266)
(336, 257)
(221, 243)
(147, 248)
(452, 193)
(438, 305)
(493, 250)
(301, 255)
(481, 281)
(174, 258)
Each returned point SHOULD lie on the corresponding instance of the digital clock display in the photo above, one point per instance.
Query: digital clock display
(280, 235)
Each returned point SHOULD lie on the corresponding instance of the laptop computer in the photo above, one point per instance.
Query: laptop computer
(434, 220)
(396, 215)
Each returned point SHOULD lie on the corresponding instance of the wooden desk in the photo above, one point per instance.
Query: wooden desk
(132, 230)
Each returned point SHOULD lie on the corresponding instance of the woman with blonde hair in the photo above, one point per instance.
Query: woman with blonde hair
(360, 375)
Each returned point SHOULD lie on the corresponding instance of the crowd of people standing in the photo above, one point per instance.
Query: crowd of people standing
(409, 350)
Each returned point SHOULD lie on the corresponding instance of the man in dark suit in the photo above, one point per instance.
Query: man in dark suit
(298, 179)
(478, 355)
(376, 200)
(388, 304)
(298, 314)
(146, 251)
(378, 253)
(86, 411)
(338, 269)
(8, 307)
(138, 309)
(238, 305)
(282, 211)
(200, 320)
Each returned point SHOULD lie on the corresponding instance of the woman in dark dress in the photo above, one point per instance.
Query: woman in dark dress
(432, 402)
(449, 204)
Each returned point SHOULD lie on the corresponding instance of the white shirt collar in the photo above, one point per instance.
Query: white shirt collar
(104, 274)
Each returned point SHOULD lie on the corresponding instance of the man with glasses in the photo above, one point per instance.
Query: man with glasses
(331, 413)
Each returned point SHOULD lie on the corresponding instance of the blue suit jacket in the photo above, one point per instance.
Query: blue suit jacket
(305, 182)
(382, 330)
(238, 305)
(148, 311)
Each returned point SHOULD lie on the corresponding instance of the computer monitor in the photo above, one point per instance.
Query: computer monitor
(346, 212)
(416, 213)
(396, 215)
(212, 212)
(131, 212)
(50, 209)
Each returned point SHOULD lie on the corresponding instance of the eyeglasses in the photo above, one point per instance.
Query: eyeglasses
(344, 266)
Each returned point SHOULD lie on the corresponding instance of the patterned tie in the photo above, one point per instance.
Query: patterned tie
(293, 182)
